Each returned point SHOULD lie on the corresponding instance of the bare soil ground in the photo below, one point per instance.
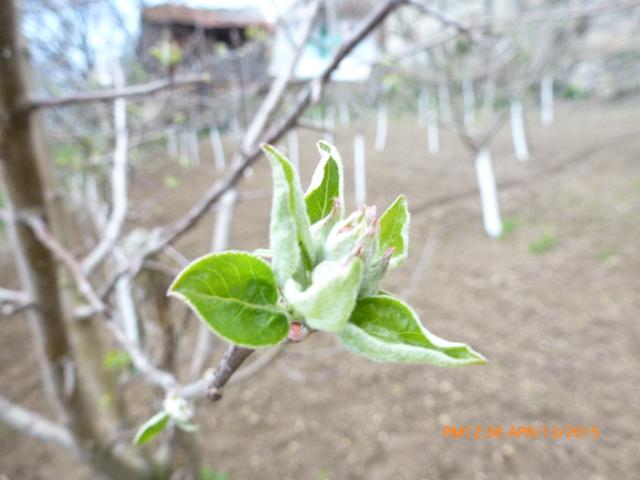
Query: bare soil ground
(559, 327)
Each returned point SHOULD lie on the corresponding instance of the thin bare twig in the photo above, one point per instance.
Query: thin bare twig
(418, 271)
(443, 18)
(314, 126)
(13, 296)
(118, 182)
(13, 301)
(155, 375)
(37, 426)
(41, 231)
(555, 15)
(231, 361)
(111, 94)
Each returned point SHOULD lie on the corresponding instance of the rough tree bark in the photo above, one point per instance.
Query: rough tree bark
(21, 173)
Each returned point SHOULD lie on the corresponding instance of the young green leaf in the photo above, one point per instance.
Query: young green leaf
(151, 428)
(290, 232)
(235, 294)
(385, 329)
(394, 231)
(326, 184)
(329, 300)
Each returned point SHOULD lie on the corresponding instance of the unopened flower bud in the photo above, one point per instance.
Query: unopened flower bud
(374, 272)
(344, 236)
(321, 229)
(297, 332)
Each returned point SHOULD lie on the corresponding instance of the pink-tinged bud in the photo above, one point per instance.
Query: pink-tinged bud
(297, 332)
(336, 205)
(370, 213)
(345, 229)
(386, 258)
(373, 229)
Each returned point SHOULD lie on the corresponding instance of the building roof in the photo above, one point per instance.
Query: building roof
(354, 8)
(203, 17)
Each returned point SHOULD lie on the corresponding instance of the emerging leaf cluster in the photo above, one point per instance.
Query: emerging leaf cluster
(176, 410)
(325, 273)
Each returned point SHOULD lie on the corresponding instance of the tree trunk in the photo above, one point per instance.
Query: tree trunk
(21, 174)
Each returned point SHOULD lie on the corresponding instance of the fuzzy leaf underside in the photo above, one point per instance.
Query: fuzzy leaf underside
(326, 184)
(235, 294)
(290, 229)
(385, 329)
(329, 300)
(394, 231)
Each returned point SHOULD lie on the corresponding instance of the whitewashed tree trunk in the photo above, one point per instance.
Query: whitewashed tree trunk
(184, 150)
(217, 149)
(423, 107)
(345, 116)
(294, 148)
(330, 124)
(469, 98)
(518, 132)
(488, 194)
(172, 144)
(433, 135)
(76, 185)
(194, 147)
(316, 114)
(235, 128)
(444, 102)
(489, 95)
(359, 169)
(546, 101)
(382, 126)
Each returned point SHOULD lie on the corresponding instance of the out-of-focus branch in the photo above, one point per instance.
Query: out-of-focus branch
(444, 18)
(13, 301)
(111, 94)
(13, 296)
(118, 182)
(44, 235)
(141, 362)
(314, 126)
(36, 426)
(555, 15)
(230, 362)
(155, 375)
